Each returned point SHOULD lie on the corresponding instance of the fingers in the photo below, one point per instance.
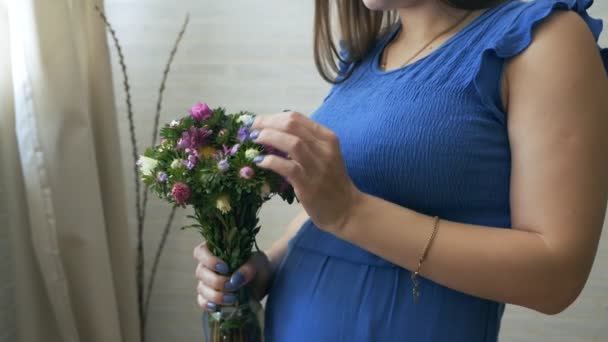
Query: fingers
(293, 123)
(204, 256)
(210, 278)
(211, 288)
(215, 289)
(242, 276)
(297, 149)
(214, 296)
(290, 169)
(205, 304)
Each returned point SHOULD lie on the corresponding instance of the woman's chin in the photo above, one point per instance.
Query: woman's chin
(376, 5)
(385, 5)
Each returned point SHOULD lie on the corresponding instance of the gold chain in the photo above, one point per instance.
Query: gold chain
(414, 276)
(450, 28)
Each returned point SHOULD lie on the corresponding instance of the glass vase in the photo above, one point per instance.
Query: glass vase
(239, 322)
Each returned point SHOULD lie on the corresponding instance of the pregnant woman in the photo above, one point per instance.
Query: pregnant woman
(459, 162)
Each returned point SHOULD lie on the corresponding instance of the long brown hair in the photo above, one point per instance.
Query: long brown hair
(359, 29)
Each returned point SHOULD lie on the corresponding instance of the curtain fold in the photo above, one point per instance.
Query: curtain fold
(74, 263)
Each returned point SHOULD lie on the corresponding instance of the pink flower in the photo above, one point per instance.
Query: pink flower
(234, 149)
(201, 111)
(180, 193)
(246, 172)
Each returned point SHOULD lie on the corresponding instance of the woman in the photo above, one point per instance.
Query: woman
(457, 121)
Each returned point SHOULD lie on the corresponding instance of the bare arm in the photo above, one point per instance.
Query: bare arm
(558, 116)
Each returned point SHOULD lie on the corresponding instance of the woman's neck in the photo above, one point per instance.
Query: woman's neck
(425, 19)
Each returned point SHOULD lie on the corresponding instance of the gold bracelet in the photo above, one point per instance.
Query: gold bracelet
(415, 281)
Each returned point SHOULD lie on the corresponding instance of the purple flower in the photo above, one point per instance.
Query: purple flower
(162, 177)
(235, 149)
(246, 172)
(194, 138)
(223, 165)
(226, 150)
(243, 134)
(201, 111)
(191, 163)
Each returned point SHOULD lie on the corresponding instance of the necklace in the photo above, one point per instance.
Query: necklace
(450, 28)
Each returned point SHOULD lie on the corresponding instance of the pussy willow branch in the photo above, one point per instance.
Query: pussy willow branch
(141, 209)
(159, 251)
(161, 90)
(135, 155)
(159, 103)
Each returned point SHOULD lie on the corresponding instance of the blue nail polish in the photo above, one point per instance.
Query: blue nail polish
(249, 122)
(222, 268)
(228, 286)
(211, 306)
(237, 280)
(229, 298)
(258, 159)
(254, 134)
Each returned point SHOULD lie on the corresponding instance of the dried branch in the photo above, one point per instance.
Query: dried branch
(159, 252)
(161, 92)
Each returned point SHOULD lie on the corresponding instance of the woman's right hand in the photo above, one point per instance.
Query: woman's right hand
(216, 286)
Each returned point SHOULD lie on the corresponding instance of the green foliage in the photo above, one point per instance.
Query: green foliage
(230, 235)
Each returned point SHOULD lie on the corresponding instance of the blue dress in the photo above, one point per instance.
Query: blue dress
(431, 137)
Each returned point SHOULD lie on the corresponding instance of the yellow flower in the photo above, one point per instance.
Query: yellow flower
(223, 204)
(206, 152)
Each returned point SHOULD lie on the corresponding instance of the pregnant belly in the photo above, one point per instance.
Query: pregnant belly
(322, 297)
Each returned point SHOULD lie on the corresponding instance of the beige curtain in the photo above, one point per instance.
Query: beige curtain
(63, 176)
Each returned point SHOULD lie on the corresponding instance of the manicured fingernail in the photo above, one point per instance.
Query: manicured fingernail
(254, 134)
(258, 159)
(222, 268)
(249, 122)
(211, 306)
(228, 286)
(229, 298)
(237, 280)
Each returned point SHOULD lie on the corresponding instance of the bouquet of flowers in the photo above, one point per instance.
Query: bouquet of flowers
(207, 160)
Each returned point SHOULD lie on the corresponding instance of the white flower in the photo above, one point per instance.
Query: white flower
(147, 165)
(174, 123)
(223, 204)
(176, 164)
(265, 190)
(245, 119)
(251, 153)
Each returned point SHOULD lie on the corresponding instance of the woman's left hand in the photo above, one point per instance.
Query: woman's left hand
(315, 167)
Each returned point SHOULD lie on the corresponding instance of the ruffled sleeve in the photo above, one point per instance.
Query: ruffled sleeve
(517, 36)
